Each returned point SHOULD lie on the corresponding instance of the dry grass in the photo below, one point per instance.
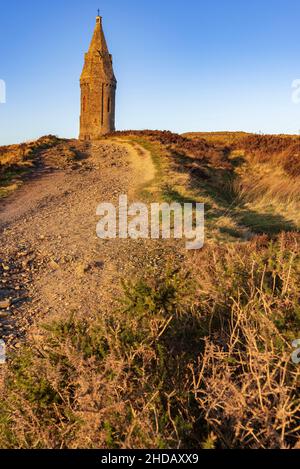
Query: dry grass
(250, 180)
(19, 161)
(16, 161)
(245, 382)
(13, 155)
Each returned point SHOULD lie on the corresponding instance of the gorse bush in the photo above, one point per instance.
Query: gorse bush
(112, 382)
(86, 339)
(163, 295)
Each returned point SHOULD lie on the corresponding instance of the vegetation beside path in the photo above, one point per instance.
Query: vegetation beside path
(196, 353)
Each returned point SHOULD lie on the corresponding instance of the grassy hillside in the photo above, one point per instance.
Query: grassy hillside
(198, 356)
(16, 161)
(249, 187)
(19, 161)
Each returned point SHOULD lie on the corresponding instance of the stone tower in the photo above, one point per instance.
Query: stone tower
(98, 89)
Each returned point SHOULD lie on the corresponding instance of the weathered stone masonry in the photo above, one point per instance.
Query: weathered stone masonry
(98, 89)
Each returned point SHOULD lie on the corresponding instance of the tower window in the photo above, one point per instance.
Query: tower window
(108, 105)
(84, 104)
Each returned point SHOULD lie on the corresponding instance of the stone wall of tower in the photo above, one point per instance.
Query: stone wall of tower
(98, 89)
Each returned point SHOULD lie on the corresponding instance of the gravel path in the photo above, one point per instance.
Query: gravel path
(50, 257)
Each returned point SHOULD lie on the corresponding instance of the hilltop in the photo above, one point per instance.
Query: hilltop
(133, 344)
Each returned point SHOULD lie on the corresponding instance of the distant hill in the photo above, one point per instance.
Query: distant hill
(217, 137)
(229, 138)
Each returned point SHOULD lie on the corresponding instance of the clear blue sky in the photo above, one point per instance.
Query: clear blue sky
(190, 65)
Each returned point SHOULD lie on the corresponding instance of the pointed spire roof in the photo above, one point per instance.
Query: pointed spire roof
(98, 60)
(98, 42)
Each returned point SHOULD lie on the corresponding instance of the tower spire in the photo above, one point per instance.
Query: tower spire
(98, 88)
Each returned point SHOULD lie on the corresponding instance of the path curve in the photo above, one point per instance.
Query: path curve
(50, 257)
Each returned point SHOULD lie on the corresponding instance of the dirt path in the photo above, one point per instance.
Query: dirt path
(141, 161)
(51, 259)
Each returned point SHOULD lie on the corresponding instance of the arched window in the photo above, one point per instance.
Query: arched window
(84, 104)
(108, 105)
